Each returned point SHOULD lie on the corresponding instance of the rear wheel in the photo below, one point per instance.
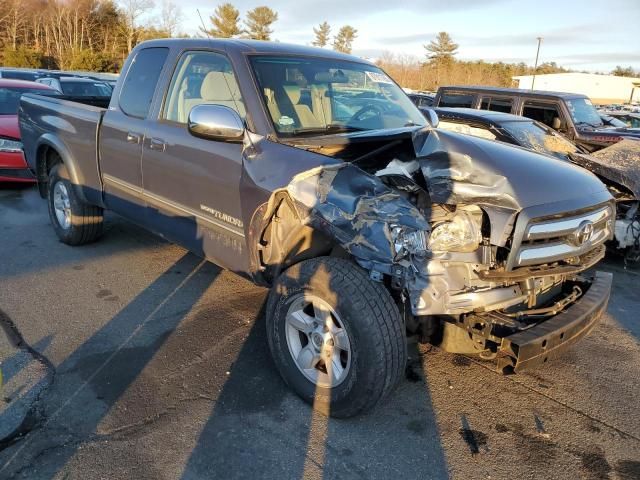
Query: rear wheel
(74, 221)
(336, 336)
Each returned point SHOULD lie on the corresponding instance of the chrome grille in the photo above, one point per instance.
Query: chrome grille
(556, 239)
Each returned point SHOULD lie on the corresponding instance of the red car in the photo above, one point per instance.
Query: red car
(13, 167)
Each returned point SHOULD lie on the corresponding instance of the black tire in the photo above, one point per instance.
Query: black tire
(371, 319)
(86, 220)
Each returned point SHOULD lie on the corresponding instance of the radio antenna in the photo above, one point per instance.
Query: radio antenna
(204, 28)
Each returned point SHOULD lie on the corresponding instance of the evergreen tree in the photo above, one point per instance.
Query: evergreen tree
(344, 40)
(259, 22)
(322, 35)
(442, 49)
(226, 22)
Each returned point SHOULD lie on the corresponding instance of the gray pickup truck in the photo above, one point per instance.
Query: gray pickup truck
(312, 173)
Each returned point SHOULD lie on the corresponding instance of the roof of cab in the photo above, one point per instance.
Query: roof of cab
(472, 113)
(511, 91)
(12, 83)
(251, 46)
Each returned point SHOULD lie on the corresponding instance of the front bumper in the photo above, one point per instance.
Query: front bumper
(13, 168)
(16, 175)
(550, 338)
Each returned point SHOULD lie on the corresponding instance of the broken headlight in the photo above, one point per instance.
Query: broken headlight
(461, 234)
(406, 240)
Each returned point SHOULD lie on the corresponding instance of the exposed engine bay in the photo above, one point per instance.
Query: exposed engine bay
(618, 166)
(437, 223)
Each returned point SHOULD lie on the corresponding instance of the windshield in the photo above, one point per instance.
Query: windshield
(535, 137)
(315, 96)
(10, 98)
(85, 89)
(614, 122)
(584, 113)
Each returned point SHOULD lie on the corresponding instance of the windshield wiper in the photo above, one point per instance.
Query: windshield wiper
(331, 128)
(589, 124)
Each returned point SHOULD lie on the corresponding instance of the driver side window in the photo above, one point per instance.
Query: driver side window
(201, 78)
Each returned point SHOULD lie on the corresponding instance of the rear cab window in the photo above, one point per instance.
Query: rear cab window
(456, 100)
(141, 80)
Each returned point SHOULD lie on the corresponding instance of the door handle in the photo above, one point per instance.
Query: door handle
(133, 137)
(157, 144)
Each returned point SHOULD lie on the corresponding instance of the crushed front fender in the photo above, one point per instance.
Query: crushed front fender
(356, 209)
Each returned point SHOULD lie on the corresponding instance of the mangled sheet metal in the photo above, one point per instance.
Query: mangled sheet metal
(619, 163)
(356, 209)
(453, 176)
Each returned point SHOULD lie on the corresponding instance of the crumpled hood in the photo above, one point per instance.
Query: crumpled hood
(9, 126)
(463, 169)
(619, 163)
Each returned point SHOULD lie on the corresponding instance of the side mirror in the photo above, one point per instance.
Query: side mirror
(431, 116)
(215, 122)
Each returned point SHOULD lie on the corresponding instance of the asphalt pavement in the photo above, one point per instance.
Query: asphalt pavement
(131, 358)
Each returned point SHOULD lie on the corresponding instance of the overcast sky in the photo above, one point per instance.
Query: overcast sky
(594, 35)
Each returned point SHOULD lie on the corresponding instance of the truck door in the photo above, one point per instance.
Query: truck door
(191, 185)
(122, 134)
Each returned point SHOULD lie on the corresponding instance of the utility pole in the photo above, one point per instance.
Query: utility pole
(535, 67)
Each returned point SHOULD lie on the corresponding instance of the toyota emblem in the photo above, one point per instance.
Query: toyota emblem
(583, 233)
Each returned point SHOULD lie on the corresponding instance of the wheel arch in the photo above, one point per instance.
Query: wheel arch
(49, 152)
(279, 238)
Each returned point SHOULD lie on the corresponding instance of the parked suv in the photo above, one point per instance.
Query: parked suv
(571, 114)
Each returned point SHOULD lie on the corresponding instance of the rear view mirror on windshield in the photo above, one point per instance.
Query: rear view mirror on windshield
(329, 77)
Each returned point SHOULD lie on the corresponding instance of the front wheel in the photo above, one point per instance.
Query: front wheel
(74, 221)
(336, 336)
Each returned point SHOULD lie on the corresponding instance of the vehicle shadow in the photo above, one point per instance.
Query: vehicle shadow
(28, 237)
(260, 429)
(90, 381)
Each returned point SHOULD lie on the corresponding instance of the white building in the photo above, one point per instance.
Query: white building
(599, 88)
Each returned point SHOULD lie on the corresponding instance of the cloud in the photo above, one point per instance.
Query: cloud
(556, 36)
(624, 58)
(305, 13)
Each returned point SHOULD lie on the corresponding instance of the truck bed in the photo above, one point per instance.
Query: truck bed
(72, 128)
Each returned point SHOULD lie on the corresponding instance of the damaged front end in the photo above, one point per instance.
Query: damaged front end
(478, 242)
(619, 167)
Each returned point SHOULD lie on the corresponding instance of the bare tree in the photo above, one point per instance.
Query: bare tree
(14, 19)
(170, 17)
(133, 10)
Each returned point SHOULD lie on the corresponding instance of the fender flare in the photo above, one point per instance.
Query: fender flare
(50, 141)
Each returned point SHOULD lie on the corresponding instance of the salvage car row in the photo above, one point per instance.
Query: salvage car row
(312, 173)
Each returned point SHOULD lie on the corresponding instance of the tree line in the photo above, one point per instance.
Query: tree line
(79, 34)
(98, 35)
(227, 23)
(440, 67)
